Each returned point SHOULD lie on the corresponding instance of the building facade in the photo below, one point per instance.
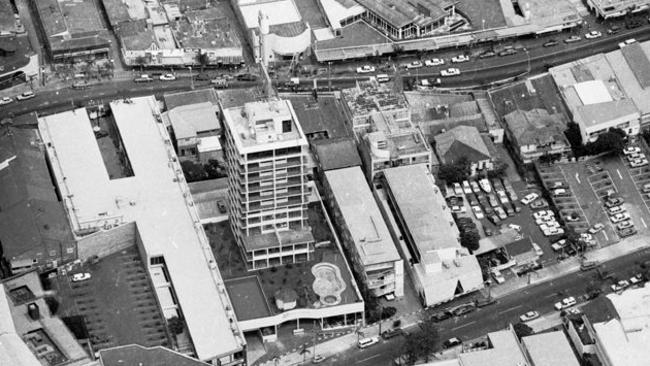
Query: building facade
(266, 153)
(612, 9)
(363, 232)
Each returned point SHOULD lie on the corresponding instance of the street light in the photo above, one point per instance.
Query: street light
(191, 78)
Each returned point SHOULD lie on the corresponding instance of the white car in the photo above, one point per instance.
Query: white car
(559, 245)
(414, 65)
(365, 69)
(478, 212)
(639, 163)
(514, 227)
(620, 217)
(542, 214)
(624, 224)
(596, 228)
(620, 286)
(627, 42)
(529, 316)
(460, 58)
(565, 303)
(78, 277)
(167, 77)
(538, 250)
(553, 231)
(631, 150)
(26, 95)
(5, 100)
(475, 187)
(530, 197)
(466, 187)
(593, 34)
(636, 280)
(434, 62)
(615, 210)
(452, 71)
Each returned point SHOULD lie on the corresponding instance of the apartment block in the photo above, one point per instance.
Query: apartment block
(266, 153)
(363, 232)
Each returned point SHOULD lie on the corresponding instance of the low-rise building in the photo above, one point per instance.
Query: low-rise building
(131, 190)
(30, 333)
(34, 231)
(606, 91)
(135, 354)
(441, 269)
(617, 8)
(387, 137)
(465, 142)
(523, 254)
(274, 28)
(72, 29)
(536, 133)
(196, 130)
(333, 154)
(363, 232)
(549, 349)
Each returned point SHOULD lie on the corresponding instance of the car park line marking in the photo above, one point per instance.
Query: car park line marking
(578, 178)
(464, 325)
(643, 222)
(605, 235)
(619, 174)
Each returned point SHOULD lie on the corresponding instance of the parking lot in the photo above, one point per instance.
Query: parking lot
(117, 303)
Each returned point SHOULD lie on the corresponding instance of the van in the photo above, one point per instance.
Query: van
(367, 342)
(587, 265)
(383, 78)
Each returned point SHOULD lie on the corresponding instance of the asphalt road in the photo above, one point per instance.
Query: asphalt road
(507, 310)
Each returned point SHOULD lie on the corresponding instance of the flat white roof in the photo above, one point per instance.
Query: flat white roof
(278, 12)
(621, 348)
(505, 351)
(166, 224)
(335, 11)
(362, 216)
(633, 308)
(592, 92)
(259, 126)
(550, 349)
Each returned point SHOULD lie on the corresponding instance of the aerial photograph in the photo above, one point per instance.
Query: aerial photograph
(334, 182)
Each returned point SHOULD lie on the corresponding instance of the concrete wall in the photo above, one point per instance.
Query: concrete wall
(106, 242)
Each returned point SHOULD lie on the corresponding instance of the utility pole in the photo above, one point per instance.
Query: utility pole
(191, 78)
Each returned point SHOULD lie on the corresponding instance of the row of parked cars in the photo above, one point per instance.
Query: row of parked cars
(618, 215)
(24, 96)
(547, 223)
(493, 199)
(635, 157)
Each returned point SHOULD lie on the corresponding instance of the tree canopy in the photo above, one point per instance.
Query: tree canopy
(455, 172)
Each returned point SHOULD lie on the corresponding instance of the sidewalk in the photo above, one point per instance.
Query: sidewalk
(343, 343)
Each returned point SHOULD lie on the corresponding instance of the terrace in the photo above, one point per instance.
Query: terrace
(254, 291)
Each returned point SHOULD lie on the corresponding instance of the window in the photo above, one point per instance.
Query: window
(157, 260)
(286, 126)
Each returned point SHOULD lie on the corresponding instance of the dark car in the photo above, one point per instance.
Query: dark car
(551, 43)
(440, 316)
(203, 77)
(613, 30)
(480, 303)
(508, 52)
(611, 202)
(391, 333)
(487, 54)
(247, 77)
(463, 309)
(633, 24)
(627, 232)
(222, 207)
(451, 342)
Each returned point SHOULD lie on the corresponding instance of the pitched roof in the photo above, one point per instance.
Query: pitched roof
(336, 153)
(461, 141)
(135, 354)
(535, 127)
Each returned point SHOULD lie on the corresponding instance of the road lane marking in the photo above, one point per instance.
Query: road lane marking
(369, 358)
(512, 308)
(464, 325)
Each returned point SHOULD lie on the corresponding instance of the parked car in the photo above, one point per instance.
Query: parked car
(529, 316)
(540, 203)
(508, 52)
(593, 34)
(498, 276)
(500, 212)
(391, 333)
(459, 59)
(614, 201)
(78, 277)
(467, 189)
(451, 342)
(559, 245)
(619, 217)
(573, 39)
(487, 54)
(458, 189)
(414, 65)
(365, 69)
(627, 232)
(440, 316)
(478, 213)
(614, 210)
(167, 77)
(367, 342)
(530, 197)
(538, 250)
(620, 285)
(481, 303)
(452, 71)
(551, 43)
(588, 265)
(26, 95)
(624, 225)
(318, 359)
(614, 29)
(631, 150)
(434, 62)
(565, 303)
(5, 100)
